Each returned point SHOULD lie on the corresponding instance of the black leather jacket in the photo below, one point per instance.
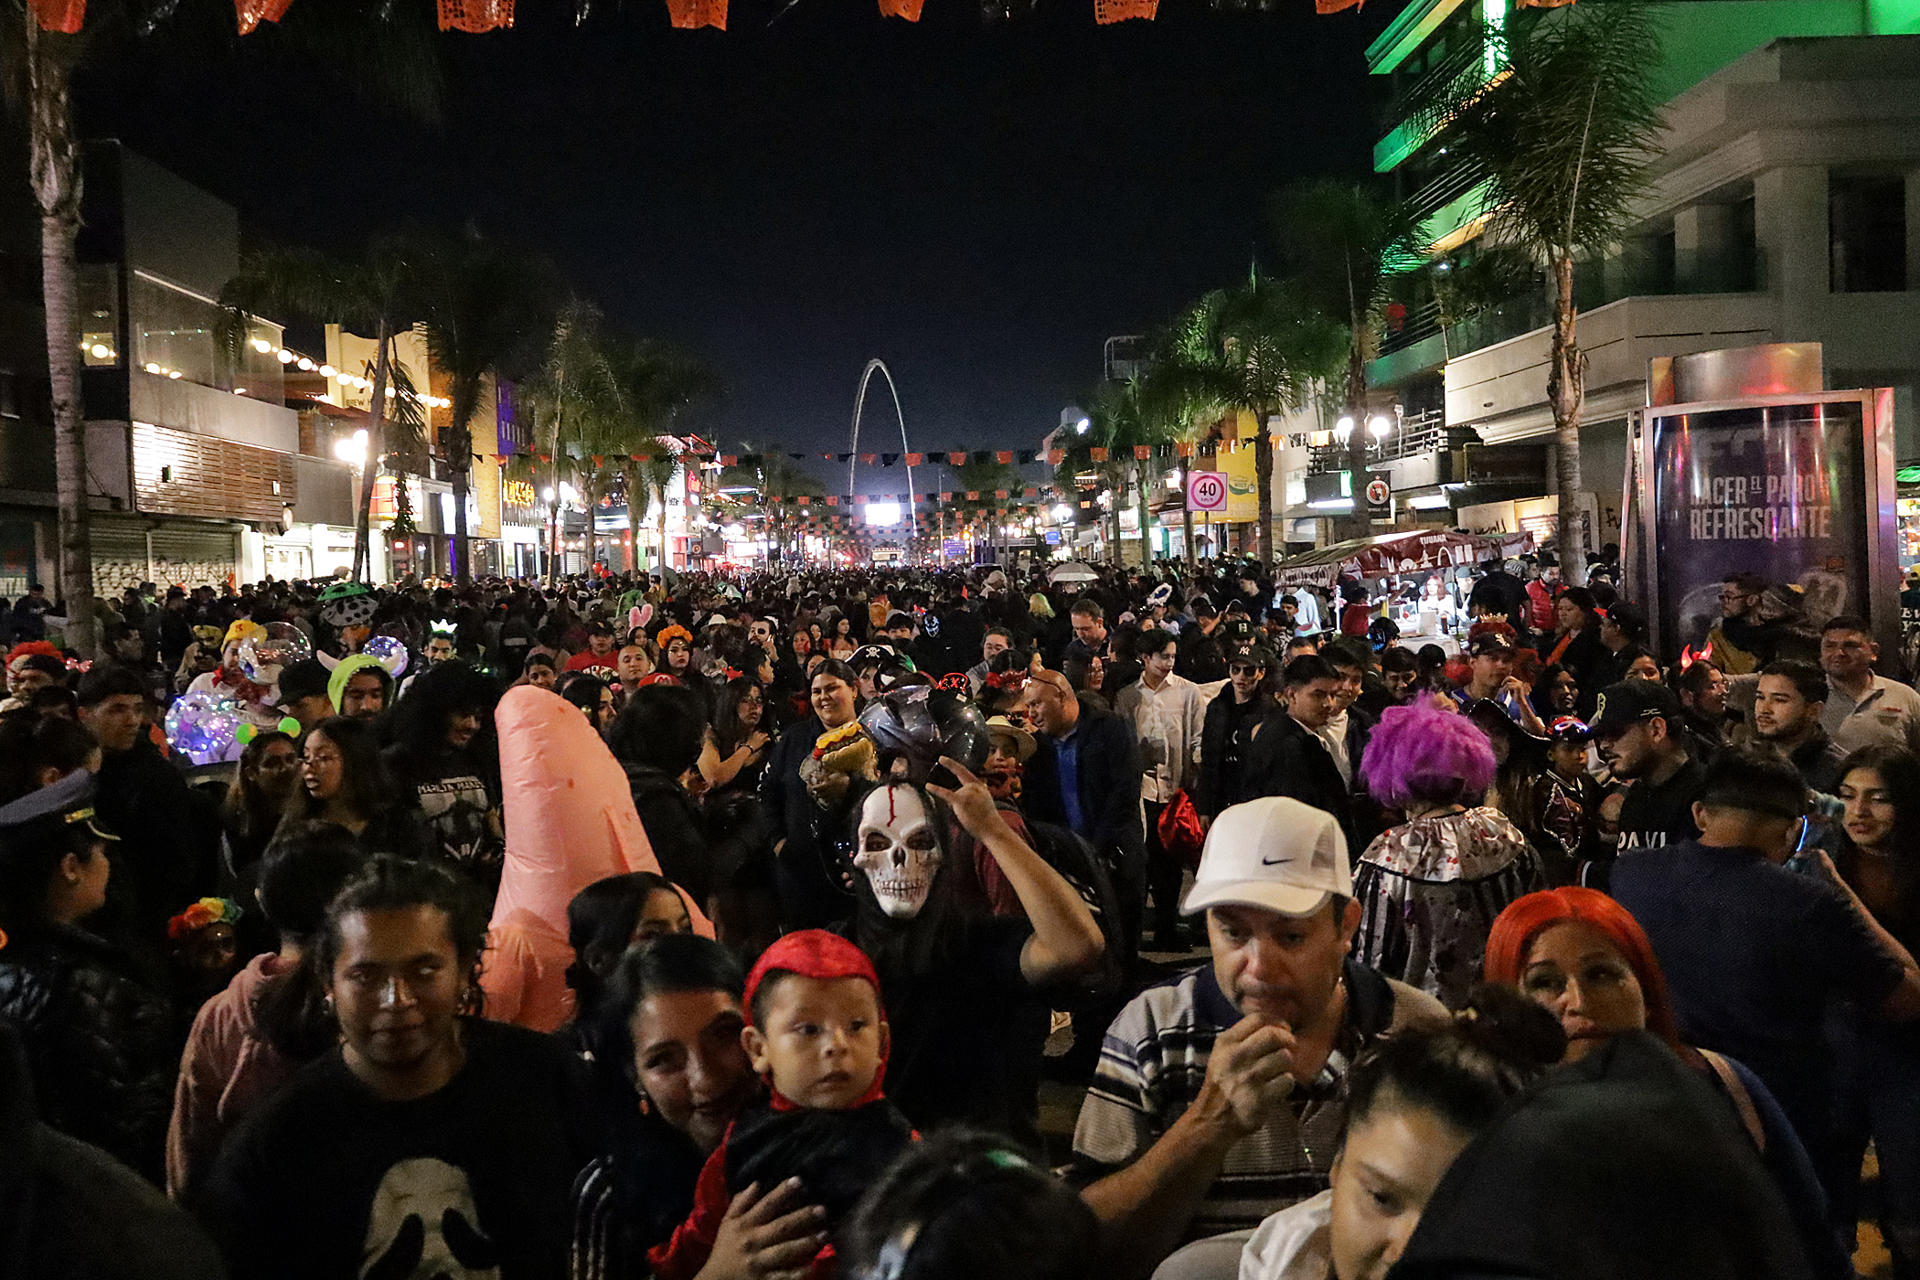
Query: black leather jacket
(99, 1041)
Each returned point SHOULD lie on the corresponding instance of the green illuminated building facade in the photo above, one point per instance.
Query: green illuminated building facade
(1785, 207)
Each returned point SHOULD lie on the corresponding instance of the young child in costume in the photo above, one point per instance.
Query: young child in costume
(816, 1031)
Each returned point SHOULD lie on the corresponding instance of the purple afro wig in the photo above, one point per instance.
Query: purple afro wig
(1424, 754)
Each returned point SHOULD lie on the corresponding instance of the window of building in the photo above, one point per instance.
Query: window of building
(176, 335)
(1867, 231)
(99, 315)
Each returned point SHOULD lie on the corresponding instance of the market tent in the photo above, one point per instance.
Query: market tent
(1383, 555)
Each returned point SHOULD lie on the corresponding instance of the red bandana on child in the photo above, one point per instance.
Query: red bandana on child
(818, 954)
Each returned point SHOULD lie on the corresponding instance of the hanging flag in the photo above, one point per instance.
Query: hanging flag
(251, 13)
(1029, 492)
(1004, 457)
(1056, 456)
(1183, 448)
(973, 495)
(729, 459)
(908, 9)
(947, 496)
(486, 15)
(1099, 452)
(1142, 452)
(691, 14)
(805, 499)
(1111, 11)
(866, 460)
(957, 459)
(1000, 494)
(1335, 6)
(64, 16)
(832, 501)
(915, 459)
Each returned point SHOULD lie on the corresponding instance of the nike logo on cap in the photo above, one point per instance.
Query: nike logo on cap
(1273, 862)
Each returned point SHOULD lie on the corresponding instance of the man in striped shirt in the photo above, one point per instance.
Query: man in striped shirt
(1221, 1093)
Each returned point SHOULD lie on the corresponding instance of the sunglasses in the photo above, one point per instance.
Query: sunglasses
(1242, 669)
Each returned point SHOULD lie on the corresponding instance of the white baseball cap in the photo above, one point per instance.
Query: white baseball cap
(1275, 853)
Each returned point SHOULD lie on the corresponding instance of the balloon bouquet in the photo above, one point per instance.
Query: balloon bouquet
(222, 710)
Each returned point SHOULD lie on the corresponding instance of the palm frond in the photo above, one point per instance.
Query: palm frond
(1566, 131)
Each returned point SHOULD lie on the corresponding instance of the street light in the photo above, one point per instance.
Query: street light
(1343, 429)
(1063, 513)
(1378, 426)
(1075, 419)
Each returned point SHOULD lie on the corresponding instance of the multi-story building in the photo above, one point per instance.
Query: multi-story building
(193, 459)
(1784, 207)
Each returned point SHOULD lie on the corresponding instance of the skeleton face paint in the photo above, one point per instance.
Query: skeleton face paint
(899, 850)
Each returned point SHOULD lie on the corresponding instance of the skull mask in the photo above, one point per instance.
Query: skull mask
(899, 849)
(423, 1225)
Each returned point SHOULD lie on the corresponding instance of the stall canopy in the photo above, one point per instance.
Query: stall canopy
(1387, 554)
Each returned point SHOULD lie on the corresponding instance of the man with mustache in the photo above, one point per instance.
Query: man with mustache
(1219, 1097)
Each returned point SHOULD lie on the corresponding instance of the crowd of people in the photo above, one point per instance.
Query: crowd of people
(733, 925)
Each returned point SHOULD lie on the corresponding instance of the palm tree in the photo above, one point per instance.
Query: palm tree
(986, 478)
(486, 312)
(1345, 245)
(1564, 135)
(374, 295)
(656, 382)
(777, 481)
(568, 397)
(1261, 347)
(395, 64)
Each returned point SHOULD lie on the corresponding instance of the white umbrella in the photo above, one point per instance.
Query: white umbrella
(1073, 571)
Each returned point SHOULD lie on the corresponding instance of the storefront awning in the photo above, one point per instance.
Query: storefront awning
(1408, 551)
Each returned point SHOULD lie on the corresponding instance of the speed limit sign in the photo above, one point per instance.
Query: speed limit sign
(1206, 491)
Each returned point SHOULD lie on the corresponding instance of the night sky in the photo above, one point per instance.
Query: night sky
(979, 205)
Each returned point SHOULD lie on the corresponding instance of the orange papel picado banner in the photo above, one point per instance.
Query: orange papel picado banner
(476, 15)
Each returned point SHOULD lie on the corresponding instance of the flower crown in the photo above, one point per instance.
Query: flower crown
(206, 912)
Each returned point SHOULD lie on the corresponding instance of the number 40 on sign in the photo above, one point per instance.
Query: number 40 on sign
(1206, 491)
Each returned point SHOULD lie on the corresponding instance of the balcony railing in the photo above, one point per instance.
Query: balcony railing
(1417, 434)
(1595, 285)
(1414, 96)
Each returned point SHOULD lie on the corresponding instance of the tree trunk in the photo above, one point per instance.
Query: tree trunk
(458, 446)
(1358, 523)
(370, 466)
(1566, 390)
(662, 522)
(1146, 547)
(56, 186)
(1186, 515)
(553, 556)
(1263, 483)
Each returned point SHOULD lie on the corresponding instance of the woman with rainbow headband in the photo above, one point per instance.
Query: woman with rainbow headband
(1584, 958)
